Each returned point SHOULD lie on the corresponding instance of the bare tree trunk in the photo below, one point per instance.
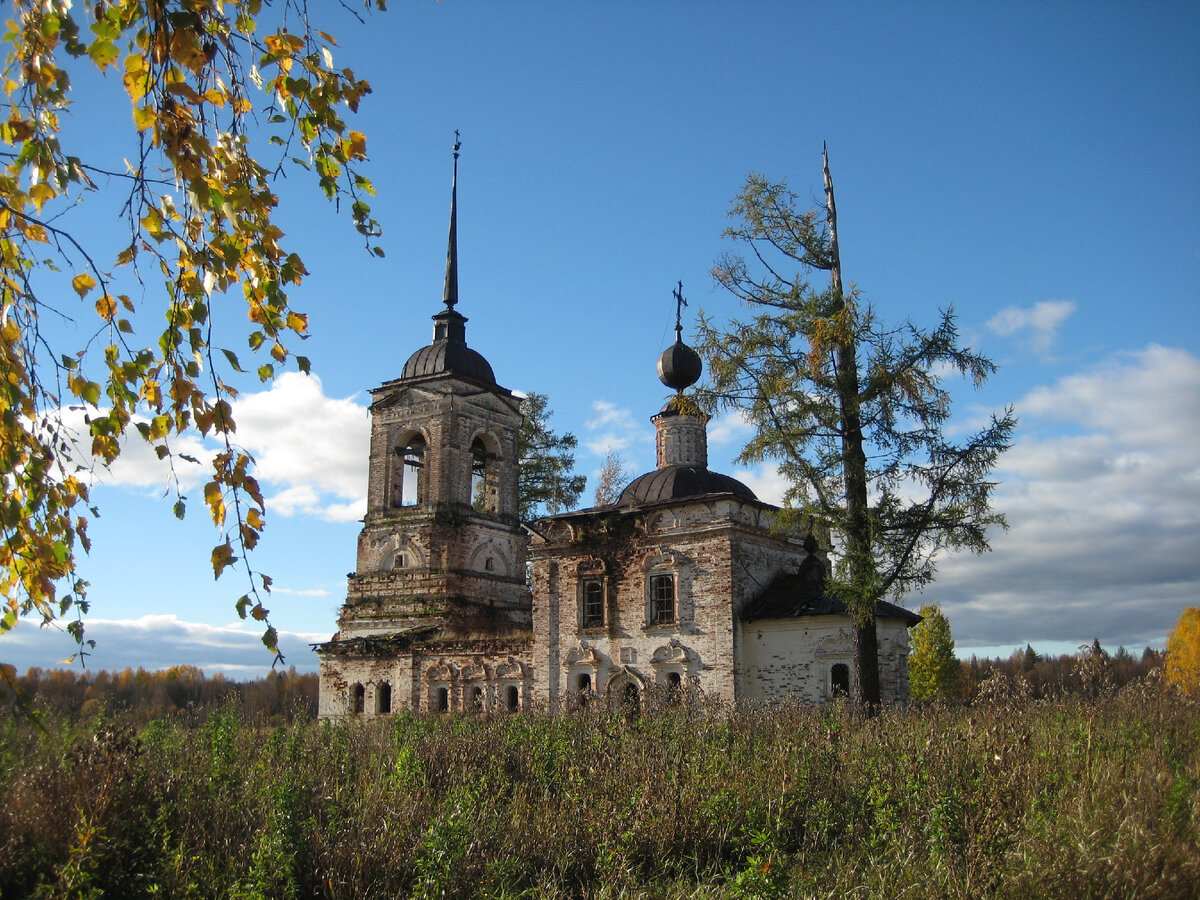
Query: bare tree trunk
(854, 471)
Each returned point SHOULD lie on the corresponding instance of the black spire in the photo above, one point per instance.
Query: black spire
(450, 294)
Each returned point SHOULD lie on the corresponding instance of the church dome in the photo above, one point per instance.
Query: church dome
(679, 366)
(449, 357)
(677, 482)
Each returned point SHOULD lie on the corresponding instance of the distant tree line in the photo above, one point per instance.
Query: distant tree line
(148, 695)
(1090, 670)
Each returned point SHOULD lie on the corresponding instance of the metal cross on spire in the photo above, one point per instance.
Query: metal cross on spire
(680, 303)
(450, 294)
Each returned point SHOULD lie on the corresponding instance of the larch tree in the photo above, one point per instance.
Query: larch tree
(1183, 651)
(933, 669)
(852, 412)
(223, 97)
(611, 480)
(547, 483)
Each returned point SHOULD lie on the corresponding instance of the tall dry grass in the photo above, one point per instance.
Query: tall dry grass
(1093, 795)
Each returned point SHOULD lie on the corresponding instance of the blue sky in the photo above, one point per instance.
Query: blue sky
(1035, 165)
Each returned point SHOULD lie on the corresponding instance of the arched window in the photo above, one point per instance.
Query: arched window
(839, 680)
(357, 699)
(477, 699)
(408, 483)
(631, 699)
(485, 488)
(383, 698)
(512, 698)
(443, 699)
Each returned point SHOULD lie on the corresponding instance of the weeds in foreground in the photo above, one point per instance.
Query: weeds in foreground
(1009, 797)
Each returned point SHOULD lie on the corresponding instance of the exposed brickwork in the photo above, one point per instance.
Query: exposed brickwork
(438, 616)
(439, 604)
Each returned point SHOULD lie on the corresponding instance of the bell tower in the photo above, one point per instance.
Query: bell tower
(442, 533)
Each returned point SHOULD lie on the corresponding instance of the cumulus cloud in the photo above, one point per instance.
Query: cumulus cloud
(313, 448)
(310, 451)
(138, 466)
(766, 482)
(731, 429)
(612, 427)
(1102, 493)
(1037, 324)
(159, 642)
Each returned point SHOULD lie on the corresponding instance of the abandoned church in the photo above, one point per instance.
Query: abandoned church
(680, 586)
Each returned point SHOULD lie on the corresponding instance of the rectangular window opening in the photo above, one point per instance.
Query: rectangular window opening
(662, 599)
(593, 604)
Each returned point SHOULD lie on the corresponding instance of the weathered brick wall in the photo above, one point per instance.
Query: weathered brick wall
(721, 553)
(795, 657)
(413, 561)
(415, 678)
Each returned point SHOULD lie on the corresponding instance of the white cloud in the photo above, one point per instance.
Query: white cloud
(730, 428)
(310, 451)
(766, 482)
(1105, 517)
(138, 466)
(612, 427)
(159, 642)
(1039, 322)
(312, 446)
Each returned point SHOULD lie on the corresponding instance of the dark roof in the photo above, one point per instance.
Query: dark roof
(448, 357)
(674, 482)
(679, 366)
(802, 593)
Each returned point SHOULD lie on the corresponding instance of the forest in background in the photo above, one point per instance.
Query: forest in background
(142, 695)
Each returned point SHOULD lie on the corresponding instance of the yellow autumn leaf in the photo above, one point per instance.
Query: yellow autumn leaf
(106, 306)
(83, 283)
(41, 193)
(216, 503)
(144, 118)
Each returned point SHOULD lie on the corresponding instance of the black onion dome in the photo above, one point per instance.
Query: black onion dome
(679, 366)
(449, 353)
(676, 482)
(449, 358)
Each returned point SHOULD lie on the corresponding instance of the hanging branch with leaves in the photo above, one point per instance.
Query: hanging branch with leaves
(202, 77)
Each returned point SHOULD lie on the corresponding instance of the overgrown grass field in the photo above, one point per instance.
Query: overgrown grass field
(1008, 797)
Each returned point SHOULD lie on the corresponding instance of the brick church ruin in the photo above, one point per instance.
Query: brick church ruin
(680, 586)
